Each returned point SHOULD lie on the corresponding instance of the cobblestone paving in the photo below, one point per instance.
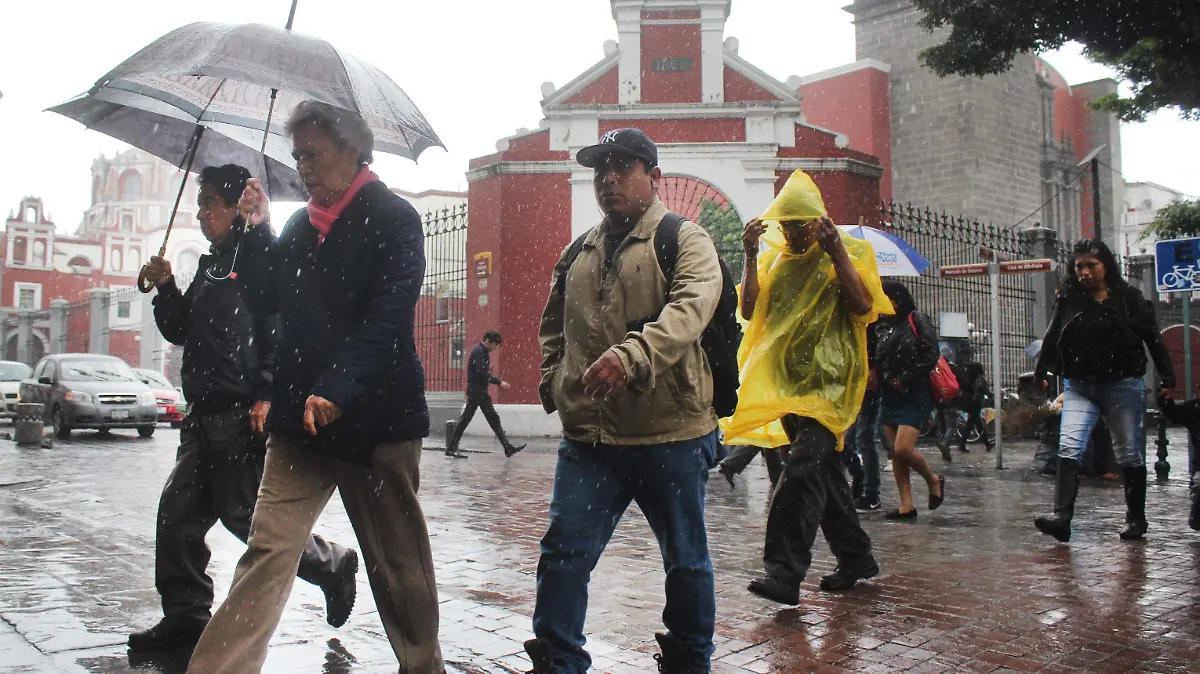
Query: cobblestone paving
(970, 588)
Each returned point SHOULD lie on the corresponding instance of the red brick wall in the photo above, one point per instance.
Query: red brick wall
(604, 91)
(712, 130)
(671, 41)
(857, 105)
(739, 89)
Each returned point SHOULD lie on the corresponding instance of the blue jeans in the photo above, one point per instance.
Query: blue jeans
(593, 485)
(861, 438)
(1122, 403)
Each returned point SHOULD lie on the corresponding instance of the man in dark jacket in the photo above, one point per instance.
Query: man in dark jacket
(228, 360)
(347, 408)
(479, 377)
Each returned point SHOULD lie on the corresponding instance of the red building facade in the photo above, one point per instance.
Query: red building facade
(728, 137)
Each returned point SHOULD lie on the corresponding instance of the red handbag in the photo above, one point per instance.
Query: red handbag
(941, 380)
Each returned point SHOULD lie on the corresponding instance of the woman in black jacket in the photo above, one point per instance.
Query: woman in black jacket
(906, 353)
(1095, 342)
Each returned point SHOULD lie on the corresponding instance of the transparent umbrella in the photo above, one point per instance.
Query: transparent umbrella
(229, 82)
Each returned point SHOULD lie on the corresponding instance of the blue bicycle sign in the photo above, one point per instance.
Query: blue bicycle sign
(1177, 265)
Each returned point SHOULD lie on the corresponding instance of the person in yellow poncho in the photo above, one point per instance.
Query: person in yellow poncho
(809, 298)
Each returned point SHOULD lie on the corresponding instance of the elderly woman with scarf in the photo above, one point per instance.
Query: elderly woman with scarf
(1097, 341)
(348, 407)
(906, 352)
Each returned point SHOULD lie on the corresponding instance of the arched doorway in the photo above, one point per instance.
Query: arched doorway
(36, 348)
(708, 207)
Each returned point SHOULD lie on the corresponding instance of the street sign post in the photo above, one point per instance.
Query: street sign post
(994, 270)
(1177, 270)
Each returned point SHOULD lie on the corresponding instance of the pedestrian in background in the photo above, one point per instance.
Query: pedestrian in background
(228, 367)
(348, 409)
(623, 366)
(907, 352)
(479, 377)
(861, 437)
(1097, 341)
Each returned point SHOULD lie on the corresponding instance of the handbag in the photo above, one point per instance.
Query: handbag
(941, 380)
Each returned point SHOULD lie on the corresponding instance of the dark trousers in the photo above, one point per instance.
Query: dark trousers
(217, 473)
(477, 402)
(812, 492)
(740, 457)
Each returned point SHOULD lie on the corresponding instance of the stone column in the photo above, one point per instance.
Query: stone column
(1041, 242)
(58, 325)
(1141, 276)
(24, 335)
(98, 301)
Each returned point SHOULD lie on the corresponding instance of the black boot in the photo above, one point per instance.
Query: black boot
(340, 594)
(1194, 516)
(1065, 488)
(540, 658)
(673, 659)
(1135, 503)
(170, 633)
(511, 449)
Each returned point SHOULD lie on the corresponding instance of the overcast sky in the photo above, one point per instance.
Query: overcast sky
(474, 67)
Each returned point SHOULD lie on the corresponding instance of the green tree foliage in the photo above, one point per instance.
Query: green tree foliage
(1178, 220)
(725, 227)
(1152, 44)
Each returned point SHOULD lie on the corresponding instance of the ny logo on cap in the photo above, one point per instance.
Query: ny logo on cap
(610, 137)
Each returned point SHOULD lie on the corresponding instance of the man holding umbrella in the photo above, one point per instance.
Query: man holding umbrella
(220, 460)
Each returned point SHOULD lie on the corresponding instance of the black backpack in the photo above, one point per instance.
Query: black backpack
(720, 340)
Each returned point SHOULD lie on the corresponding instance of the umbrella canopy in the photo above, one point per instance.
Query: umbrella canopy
(893, 254)
(191, 69)
(166, 135)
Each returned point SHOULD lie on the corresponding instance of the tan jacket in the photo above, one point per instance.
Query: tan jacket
(669, 395)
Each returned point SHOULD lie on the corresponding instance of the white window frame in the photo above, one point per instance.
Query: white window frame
(18, 286)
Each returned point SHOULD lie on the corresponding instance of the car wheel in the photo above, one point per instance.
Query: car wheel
(145, 431)
(62, 431)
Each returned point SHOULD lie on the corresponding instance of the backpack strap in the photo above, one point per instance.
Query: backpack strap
(569, 258)
(666, 246)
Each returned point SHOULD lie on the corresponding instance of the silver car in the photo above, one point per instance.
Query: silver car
(86, 390)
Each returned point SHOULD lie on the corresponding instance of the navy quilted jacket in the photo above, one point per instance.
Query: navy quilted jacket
(346, 311)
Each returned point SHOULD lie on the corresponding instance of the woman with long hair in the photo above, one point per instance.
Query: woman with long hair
(1095, 342)
(906, 353)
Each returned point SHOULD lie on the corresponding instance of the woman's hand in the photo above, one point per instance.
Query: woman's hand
(751, 235)
(828, 236)
(253, 204)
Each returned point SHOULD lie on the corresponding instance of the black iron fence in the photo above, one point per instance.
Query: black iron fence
(440, 326)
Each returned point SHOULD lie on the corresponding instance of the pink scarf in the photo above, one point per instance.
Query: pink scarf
(322, 218)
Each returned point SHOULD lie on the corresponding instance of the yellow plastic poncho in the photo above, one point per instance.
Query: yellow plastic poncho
(803, 351)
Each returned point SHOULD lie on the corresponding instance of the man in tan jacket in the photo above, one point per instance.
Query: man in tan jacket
(623, 366)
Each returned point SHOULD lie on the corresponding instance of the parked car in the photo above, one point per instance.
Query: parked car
(87, 390)
(11, 374)
(169, 399)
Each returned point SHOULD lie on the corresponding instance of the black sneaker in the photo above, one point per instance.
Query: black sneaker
(865, 505)
(340, 594)
(725, 470)
(845, 577)
(944, 448)
(510, 450)
(456, 454)
(775, 589)
(169, 634)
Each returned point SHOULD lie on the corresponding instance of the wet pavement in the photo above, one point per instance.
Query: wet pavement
(970, 588)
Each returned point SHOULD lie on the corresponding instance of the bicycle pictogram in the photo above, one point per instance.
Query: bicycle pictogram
(1181, 276)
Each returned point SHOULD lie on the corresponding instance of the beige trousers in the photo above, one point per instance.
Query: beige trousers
(381, 501)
